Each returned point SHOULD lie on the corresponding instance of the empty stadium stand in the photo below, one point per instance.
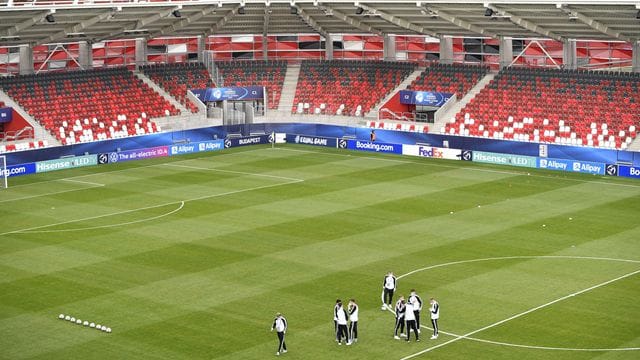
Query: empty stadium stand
(21, 146)
(599, 109)
(176, 79)
(82, 106)
(454, 79)
(269, 73)
(345, 87)
(399, 126)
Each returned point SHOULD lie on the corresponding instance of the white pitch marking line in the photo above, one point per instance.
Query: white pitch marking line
(519, 315)
(106, 226)
(147, 207)
(131, 168)
(45, 194)
(232, 172)
(95, 184)
(529, 346)
(518, 257)
(465, 168)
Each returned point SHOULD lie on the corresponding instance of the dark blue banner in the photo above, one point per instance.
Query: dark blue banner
(629, 171)
(17, 170)
(424, 98)
(6, 114)
(586, 167)
(312, 140)
(189, 148)
(138, 154)
(248, 140)
(230, 93)
(370, 146)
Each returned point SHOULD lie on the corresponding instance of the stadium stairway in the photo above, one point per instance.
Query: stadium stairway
(40, 133)
(635, 145)
(185, 121)
(451, 113)
(373, 114)
(162, 92)
(289, 87)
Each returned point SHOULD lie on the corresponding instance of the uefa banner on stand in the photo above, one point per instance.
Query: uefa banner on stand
(229, 93)
(6, 114)
(424, 98)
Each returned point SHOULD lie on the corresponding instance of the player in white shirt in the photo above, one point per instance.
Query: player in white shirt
(435, 315)
(416, 301)
(388, 287)
(410, 317)
(341, 320)
(280, 324)
(353, 322)
(335, 316)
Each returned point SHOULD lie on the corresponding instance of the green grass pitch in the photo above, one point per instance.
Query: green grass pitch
(190, 257)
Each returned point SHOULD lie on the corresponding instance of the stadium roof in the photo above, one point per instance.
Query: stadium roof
(50, 21)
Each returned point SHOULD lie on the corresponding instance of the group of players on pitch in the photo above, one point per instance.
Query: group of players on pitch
(345, 321)
(407, 311)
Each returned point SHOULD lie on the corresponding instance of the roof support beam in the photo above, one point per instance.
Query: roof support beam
(600, 27)
(399, 21)
(267, 15)
(14, 30)
(75, 28)
(155, 17)
(526, 24)
(462, 23)
(111, 35)
(183, 22)
(354, 22)
(221, 23)
(311, 21)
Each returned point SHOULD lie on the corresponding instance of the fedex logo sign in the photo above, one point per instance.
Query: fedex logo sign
(431, 152)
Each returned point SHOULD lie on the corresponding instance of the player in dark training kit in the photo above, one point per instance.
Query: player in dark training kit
(400, 311)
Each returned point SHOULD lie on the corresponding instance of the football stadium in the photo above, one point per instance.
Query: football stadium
(222, 179)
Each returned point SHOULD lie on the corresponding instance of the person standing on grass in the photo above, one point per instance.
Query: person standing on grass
(388, 287)
(416, 303)
(335, 316)
(410, 317)
(280, 324)
(353, 324)
(341, 316)
(435, 315)
(400, 310)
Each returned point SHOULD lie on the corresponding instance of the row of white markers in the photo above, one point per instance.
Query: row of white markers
(85, 323)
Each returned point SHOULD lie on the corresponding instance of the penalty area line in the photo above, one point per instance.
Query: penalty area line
(232, 172)
(32, 229)
(460, 337)
(95, 184)
(107, 226)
